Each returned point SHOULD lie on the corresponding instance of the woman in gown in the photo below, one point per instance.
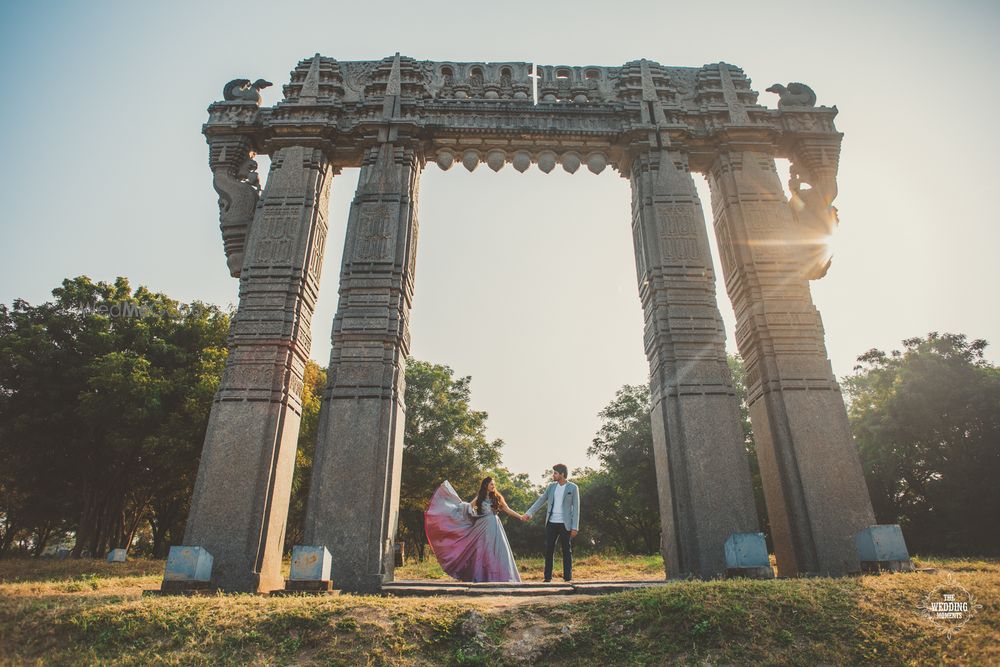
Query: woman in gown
(468, 538)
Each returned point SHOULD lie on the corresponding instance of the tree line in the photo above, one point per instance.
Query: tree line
(105, 393)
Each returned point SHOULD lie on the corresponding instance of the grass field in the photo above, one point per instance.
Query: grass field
(85, 612)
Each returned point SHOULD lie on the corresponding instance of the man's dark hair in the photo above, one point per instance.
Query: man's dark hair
(561, 469)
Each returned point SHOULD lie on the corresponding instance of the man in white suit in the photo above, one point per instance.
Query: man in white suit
(562, 521)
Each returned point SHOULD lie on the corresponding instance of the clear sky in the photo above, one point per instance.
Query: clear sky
(526, 282)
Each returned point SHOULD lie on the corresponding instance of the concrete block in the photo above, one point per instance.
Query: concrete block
(882, 547)
(746, 556)
(310, 564)
(117, 556)
(746, 550)
(188, 564)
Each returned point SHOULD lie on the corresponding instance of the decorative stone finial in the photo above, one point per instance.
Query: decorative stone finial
(241, 90)
(794, 95)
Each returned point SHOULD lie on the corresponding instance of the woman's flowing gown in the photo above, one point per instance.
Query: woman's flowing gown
(470, 547)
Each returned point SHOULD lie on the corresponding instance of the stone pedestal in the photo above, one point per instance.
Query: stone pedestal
(240, 501)
(354, 493)
(701, 464)
(746, 556)
(310, 570)
(882, 549)
(813, 483)
(188, 570)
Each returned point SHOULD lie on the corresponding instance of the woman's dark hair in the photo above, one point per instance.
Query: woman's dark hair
(495, 497)
(561, 469)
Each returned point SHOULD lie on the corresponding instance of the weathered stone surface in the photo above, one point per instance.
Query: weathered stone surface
(117, 556)
(356, 470)
(319, 586)
(882, 548)
(746, 556)
(310, 563)
(653, 124)
(354, 490)
(697, 440)
(188, 564)
(240, 500)
(814, 488)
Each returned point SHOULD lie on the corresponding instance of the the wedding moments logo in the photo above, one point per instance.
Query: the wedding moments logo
(949, 606)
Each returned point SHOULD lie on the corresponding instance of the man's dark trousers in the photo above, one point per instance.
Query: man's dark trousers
(553, 532)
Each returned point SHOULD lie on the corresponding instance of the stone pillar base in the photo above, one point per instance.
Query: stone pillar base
(761, 572)
(880, 566)
(881, 548)
(187, 588)
(746, 556)
(308, 586)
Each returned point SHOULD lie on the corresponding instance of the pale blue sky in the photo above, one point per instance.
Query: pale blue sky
(524, 281)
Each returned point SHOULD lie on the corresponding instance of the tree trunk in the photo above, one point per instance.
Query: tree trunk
(86, 527)
(8, 537)
(159, 532)
(42, 536)
(138, 514)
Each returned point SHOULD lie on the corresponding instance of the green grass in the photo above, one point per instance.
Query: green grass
(93, 613)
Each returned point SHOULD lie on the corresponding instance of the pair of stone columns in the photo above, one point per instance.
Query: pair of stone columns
(815, 491)
(240, 503)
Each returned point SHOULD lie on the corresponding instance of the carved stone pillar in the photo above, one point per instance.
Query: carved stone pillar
(813, 483)
(702, 471)
(240, 501)
(354, 494)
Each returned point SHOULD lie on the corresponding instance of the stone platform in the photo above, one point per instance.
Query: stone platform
(530, 588)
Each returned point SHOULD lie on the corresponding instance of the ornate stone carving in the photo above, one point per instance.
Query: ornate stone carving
(238, 185)
(316, 80)
(793, 95)
(653, 124)
(243, 91)
(813, 187)
(493, 82)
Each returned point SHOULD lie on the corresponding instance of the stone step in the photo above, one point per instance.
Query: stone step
(419, 591)
(467, 584)
(537, 588)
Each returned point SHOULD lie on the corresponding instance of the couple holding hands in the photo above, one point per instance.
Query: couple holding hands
(469, 540)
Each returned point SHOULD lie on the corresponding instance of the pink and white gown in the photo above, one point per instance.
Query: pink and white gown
(469, 546)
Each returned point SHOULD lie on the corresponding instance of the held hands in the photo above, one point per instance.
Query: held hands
(525, 517)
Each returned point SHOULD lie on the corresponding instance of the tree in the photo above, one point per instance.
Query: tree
(622, 495)
(749, 444)
(312, 400)
(926, 420)
(104, 400)
(444, 439)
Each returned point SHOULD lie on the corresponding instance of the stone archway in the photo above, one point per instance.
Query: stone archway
(651, 123)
